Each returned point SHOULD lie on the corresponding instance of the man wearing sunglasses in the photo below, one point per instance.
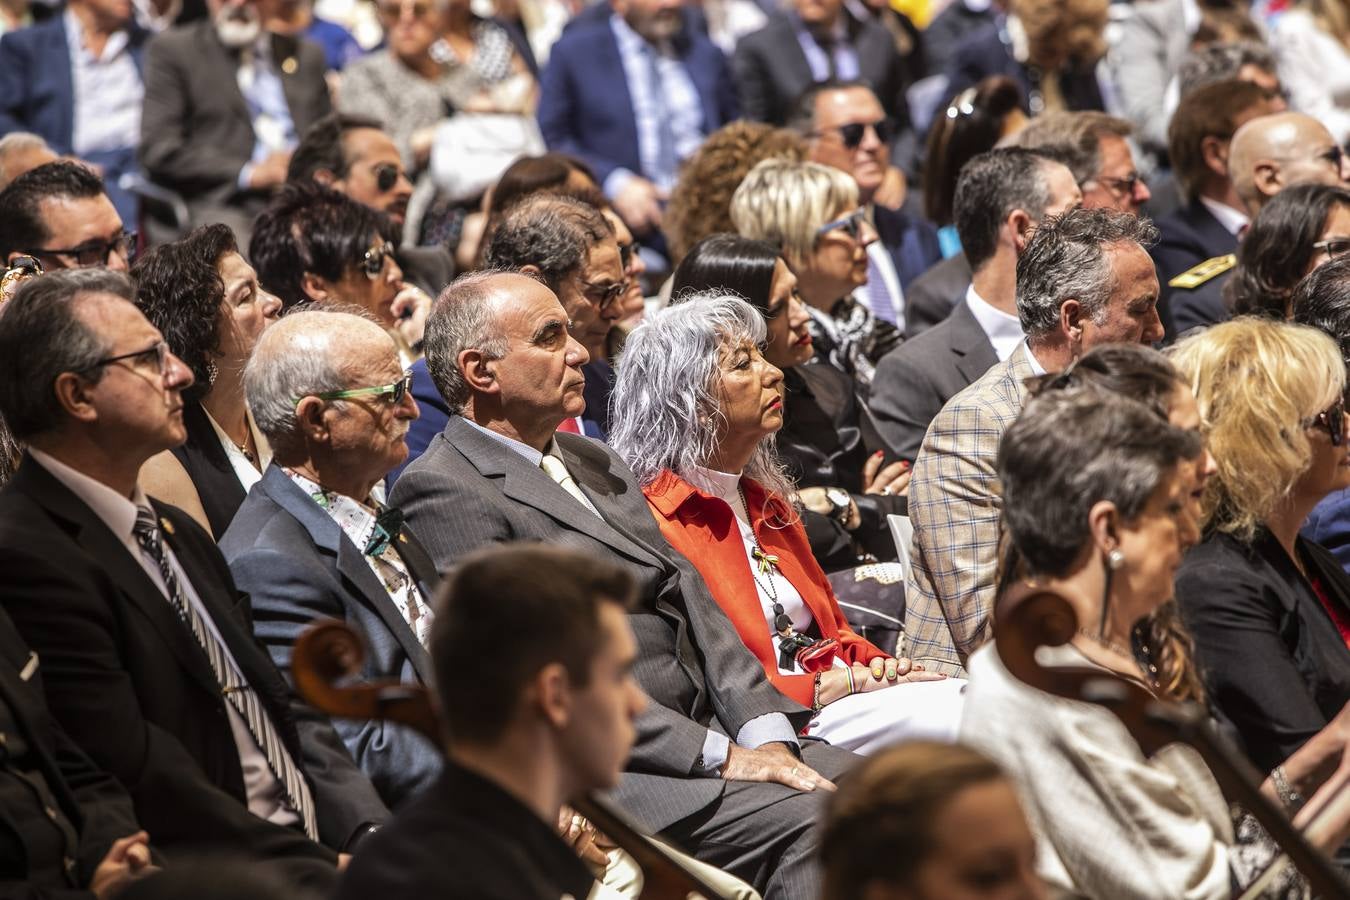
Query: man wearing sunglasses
(354, 156)
(59, 214)
(847, 128)
(314, 540)
(149, 659)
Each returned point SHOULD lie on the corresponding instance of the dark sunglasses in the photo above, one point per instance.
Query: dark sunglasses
(95, 252)
(1334, 155)
(850, 224)
(373, 261)
(1333, 420)
(853, 133)
(395, 391)
(386, 176)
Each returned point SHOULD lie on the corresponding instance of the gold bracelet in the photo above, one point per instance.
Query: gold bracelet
(816, 705)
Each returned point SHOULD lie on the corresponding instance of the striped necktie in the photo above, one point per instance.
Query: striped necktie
(878, 297)
(237, 692)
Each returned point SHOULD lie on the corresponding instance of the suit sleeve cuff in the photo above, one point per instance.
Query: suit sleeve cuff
(767, 729)
(714, 756)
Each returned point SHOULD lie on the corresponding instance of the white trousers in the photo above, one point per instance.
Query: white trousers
(864, 723)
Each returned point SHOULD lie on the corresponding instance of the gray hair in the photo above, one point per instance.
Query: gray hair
(1221, 62)
(549, 231)
(1066, 259)
(18, 142)
(1073, 138)
(462, 320)
(301, 354)
(42, 336)
(664, 411)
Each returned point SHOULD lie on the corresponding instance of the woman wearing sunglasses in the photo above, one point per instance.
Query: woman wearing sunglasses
(811, 212)
(1269, 610)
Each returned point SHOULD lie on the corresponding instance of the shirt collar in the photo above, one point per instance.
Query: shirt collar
(1036, 367)
(669, 492)
(116, 43)
(114, 510)
(1233, 220)
(355, 519)
(629, 40)
(992, 320)
(525, 450)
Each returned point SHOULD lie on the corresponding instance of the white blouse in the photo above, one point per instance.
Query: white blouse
(244, 470)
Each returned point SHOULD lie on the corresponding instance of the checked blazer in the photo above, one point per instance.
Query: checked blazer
(954, 506)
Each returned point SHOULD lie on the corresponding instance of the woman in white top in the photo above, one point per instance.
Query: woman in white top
(1312, 43)
(206, 301)
(1099, 504)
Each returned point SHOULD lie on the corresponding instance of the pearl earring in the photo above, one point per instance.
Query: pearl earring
(1114, 560)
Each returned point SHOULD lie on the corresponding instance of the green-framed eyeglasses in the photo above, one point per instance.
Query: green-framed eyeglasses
(395, 391)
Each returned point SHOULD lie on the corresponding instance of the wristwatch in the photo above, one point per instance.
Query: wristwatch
(841, 504)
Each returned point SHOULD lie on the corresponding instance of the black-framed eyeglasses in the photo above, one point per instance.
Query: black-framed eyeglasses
(95, 252)
(605, 294)
(627, 252)
(393, 9)
(1335, 155)
(1333, 247)
(394, 391)
(1124, 186)
(157, 355)
(851, 224)
(372, 263)
(852, 133)
(386, 176)
(1333, 420)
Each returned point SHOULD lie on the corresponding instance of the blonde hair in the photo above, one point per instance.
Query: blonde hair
(1258, 384)
(784, 202)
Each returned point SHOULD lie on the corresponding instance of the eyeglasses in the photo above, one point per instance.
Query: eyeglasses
(386, 176)
(1333, 420)
(851, 224)
(157, 355)
(1124, 186)
(627, 252)
(605, 294)
(852, 134)
(1333, 247)
(1334, 155)
(393, 11)
(372, 263)
(395, 391)
(95, 252)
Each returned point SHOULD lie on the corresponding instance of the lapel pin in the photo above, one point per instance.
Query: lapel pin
(166, 525)
(289, 65)
(403, 537)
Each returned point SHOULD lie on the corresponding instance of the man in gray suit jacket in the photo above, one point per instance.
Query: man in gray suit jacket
(717, 768)
(1000, 197)
(311, 541)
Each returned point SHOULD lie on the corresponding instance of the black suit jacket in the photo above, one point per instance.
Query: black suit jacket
(915, 380)
(468, 491)
(935, 293)
(987, 51)
(772, 72)
(1274, 664)
(210, 470)
(1197, 307)
(91, 799)
(298, 567)
(1188, 236)
(128, 682)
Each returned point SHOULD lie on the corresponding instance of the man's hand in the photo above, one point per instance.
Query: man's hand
(584, 840)
(772, 762)
(410, 309)
(639, 204)
(126, 860)
(271, 171)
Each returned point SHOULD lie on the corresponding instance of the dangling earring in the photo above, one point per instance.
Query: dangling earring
(1114, 560)
(211, 373)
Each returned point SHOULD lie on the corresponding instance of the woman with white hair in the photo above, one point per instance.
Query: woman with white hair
(696, 408)
(811, 212)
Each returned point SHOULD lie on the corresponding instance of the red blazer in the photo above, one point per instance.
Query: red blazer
(704, 529)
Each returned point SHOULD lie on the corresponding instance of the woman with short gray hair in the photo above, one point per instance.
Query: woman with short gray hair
(695, 410)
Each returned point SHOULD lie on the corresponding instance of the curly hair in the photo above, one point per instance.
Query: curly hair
(700, 204)
(1257, 382)
(179, 289)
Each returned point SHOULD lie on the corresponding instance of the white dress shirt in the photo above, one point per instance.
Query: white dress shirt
(1004, 331)
(243, 467)
(265, 793)
(1233, 220)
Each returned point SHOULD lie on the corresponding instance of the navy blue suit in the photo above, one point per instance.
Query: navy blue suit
(986, 51)
(584, 105)
(1189, 236)
(38, 95)
(911, 241)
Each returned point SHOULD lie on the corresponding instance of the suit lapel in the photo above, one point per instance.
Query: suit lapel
(974, 353)
(58, 54)
(349, 561)
(1215, 240)
(216, 54)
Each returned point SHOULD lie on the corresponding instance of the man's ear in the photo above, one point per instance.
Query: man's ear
(478, 371)
(310, 419)
(73, 395)
(1019, 226)
(325, 177)
(316, 287)
(1072, 320)
(532, 270)
(553, 693)
(1266, 177)
(1214, 151)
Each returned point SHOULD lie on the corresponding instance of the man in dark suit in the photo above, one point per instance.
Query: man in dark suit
(75, 79)
(499, 349)
(818, 40)
(634, 95)
(534, 660)
(225, 104)
(311, 541)
(1001, 197)
(64, 824)
(846, 128)
(935, 293)
(1214, 216)
(148, 649)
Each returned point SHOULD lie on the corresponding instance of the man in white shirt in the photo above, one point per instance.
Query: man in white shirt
(1001, 197)
(148, 657)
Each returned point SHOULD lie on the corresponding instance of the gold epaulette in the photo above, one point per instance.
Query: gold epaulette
(1194, 277)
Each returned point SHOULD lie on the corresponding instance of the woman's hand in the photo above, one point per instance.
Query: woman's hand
(817, 500)
(410, 310)
(882, 672)
(891, 481)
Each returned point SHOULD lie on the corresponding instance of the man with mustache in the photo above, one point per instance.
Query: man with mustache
(313, 539)
(225, 104)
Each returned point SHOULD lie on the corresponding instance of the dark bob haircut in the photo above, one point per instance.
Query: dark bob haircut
(727, 262)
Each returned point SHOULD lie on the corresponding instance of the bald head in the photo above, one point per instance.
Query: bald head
(1271, 153)
(468, 316)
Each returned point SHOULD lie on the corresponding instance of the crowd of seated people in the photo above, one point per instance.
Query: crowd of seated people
(682, 404)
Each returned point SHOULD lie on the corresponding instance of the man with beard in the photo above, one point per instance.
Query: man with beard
(225, 102)
(634, 95)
